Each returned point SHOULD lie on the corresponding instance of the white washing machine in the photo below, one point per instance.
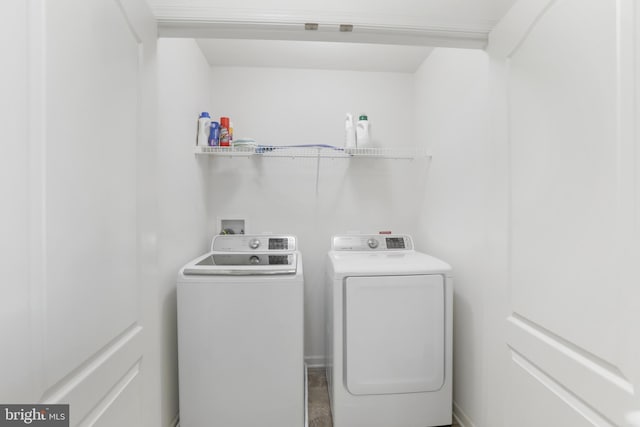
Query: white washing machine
(241, 334)
(389, 333)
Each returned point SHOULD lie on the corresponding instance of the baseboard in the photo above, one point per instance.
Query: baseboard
(460, 417)
(315, 361)
(306, 396)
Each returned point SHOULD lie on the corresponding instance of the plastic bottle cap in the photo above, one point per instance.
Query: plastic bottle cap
(205, 114)
(363, 117)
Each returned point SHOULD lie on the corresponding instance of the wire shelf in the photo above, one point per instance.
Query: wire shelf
(314, 152)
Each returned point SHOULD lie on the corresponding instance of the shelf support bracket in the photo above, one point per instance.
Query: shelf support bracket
(318, 172)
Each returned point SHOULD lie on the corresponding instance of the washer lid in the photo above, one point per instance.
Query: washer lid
(243, 264)
(386, 263)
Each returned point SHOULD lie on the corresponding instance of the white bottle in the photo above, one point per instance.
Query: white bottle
(363, 138)
(349, 132)
(204, 123)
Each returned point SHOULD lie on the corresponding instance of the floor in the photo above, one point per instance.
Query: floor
(319, 411)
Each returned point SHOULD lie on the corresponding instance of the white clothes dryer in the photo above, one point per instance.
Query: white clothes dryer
(389, 333)
(241, 334)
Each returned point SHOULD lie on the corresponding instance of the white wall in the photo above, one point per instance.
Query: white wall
(14, 214)
(452, 118)
(183, 190)
(292, 106)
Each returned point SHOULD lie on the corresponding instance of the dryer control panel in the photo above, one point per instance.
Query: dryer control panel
(372, 242)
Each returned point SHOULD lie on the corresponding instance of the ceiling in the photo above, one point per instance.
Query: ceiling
(386, 36)
(314, 55)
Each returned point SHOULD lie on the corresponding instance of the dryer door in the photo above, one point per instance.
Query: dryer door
(394, 334)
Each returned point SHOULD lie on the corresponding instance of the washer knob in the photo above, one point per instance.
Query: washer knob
(254, 244)
(254, 260)
(373, 243)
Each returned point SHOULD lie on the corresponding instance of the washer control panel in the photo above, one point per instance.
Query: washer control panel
(250, 243)
(372, 242)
